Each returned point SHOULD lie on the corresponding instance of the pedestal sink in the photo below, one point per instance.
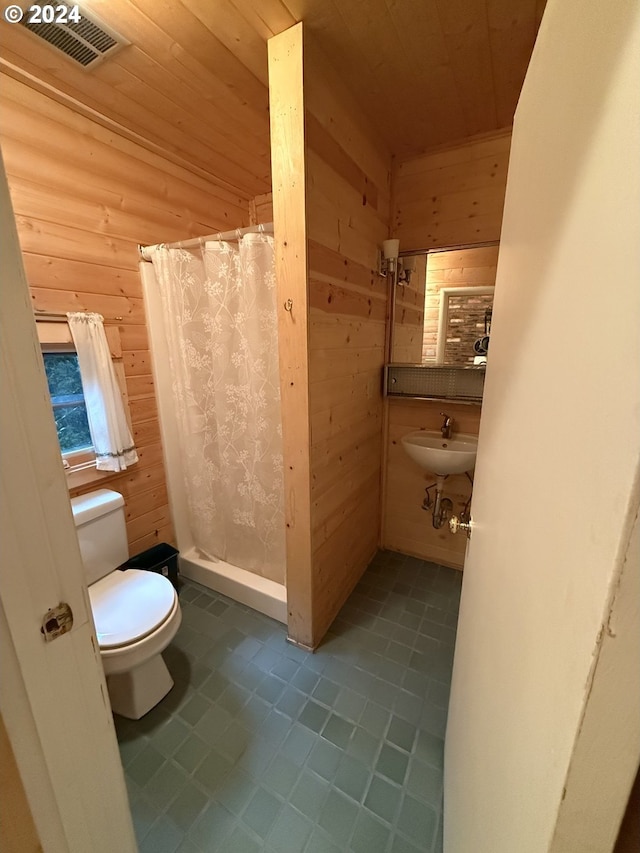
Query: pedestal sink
(440, 455)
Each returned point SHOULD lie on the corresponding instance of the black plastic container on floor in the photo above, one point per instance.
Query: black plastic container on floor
(162, 558)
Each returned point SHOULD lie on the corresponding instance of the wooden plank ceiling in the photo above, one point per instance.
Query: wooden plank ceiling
(192, 83)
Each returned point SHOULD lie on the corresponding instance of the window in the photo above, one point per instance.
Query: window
(62, 369)
(67, 399)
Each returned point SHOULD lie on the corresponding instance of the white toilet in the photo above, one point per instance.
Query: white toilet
(136, 613)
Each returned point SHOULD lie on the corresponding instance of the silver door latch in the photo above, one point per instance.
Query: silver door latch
(57, 621)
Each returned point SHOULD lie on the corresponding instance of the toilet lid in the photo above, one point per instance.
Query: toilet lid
(128, 605)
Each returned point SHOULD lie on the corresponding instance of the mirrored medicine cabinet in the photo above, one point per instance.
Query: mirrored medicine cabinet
(441, 317)
(443, 306)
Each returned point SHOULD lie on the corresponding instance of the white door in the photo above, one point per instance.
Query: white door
(53, 697)
(556, 485)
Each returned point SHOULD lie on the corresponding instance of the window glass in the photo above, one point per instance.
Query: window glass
(69, 409)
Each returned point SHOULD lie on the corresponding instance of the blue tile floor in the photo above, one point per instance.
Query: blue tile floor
(261, 746)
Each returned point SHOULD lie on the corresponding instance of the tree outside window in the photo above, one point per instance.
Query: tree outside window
(67, 398)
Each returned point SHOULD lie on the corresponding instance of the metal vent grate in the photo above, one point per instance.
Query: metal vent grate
(93, 34)
(450, 383)
(86, 42)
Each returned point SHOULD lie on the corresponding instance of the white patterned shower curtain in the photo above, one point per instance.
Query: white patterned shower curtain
(220, 319)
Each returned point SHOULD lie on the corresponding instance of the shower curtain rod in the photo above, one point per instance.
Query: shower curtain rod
(236, 234)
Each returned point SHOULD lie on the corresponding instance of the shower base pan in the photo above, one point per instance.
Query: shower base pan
(261, 594)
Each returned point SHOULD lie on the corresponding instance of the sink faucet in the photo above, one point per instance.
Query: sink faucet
(447, 425)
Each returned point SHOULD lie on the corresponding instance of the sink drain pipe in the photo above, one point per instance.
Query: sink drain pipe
(442, 508)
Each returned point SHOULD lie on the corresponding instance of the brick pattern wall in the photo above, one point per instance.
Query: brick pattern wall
(466, 325)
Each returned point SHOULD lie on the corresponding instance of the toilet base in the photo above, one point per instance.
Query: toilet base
(135, 692)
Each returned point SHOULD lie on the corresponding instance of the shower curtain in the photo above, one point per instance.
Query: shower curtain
(220, 319)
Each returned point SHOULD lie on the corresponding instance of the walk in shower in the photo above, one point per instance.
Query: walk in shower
(211, 313)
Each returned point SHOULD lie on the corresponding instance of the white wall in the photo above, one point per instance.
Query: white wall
(558, 453)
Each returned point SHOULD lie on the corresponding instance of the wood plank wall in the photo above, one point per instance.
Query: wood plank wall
(333, 340)
(448, 197)
(348, 207)
(288, 167)
(84, 198)
(451, 195)
(261, 209)
(408, 324)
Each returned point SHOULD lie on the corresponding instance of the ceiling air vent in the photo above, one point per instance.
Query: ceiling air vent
(85, 41)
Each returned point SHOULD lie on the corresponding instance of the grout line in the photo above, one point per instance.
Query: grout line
(260, 670)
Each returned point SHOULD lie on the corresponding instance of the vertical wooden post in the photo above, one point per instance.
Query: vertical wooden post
(289, 216)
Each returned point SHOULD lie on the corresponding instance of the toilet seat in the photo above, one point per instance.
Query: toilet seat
(129, 605)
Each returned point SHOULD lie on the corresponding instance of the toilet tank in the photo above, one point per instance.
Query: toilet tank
(101, 530)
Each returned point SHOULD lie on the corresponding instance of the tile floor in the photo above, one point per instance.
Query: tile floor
(261, 746)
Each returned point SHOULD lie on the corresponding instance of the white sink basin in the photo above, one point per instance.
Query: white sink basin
(441, 455)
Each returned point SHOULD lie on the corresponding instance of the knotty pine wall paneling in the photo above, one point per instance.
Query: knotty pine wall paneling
(447, 197)
(336, 329)
(288, 168)
(175, 88)
(261, 209)
(408, 324)
(452, 195)
(84, 198)
(348, 206)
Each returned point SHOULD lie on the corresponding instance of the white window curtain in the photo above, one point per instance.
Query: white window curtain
(112, 441)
